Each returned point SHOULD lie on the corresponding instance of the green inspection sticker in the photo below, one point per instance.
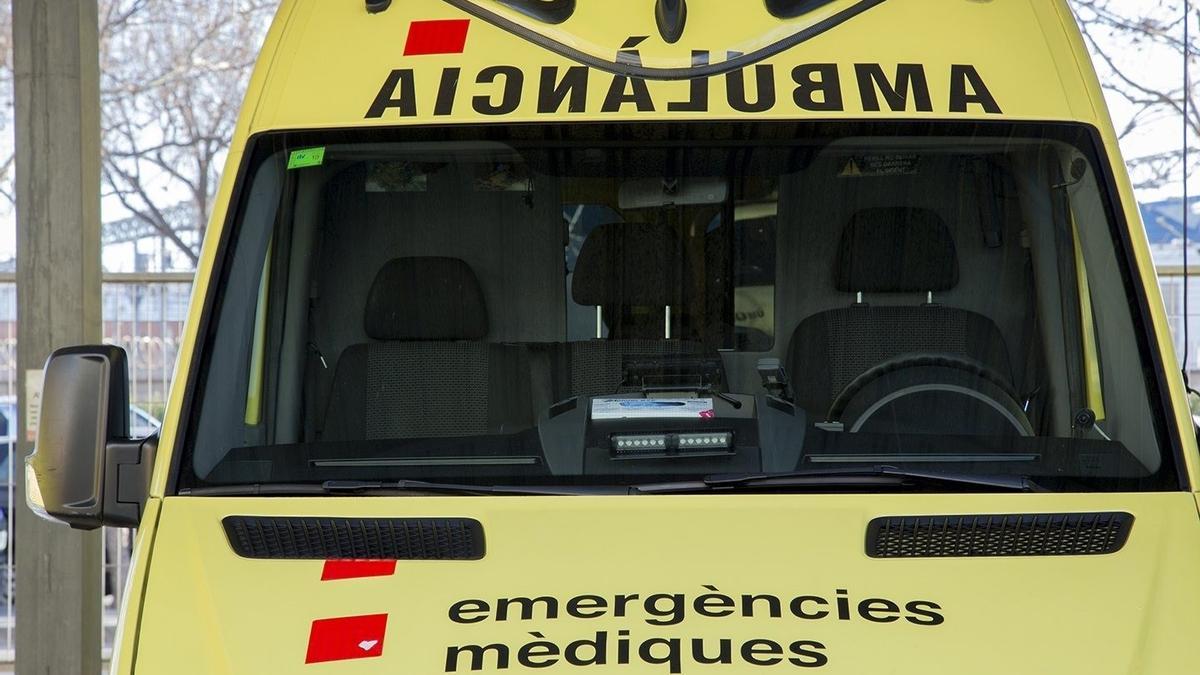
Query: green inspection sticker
(300, 159)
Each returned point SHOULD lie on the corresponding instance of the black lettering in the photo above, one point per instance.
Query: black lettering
(526, 605)
(735, 87)
(754, 650)
(510, 98)
(404, 100)
(960, 77)
(725, 655)
(623, 601)
(542, 649)
(623, 647)
(447, 89)
(797, 607)
(879, 610)
(638, 94)
(458, 609)
(571, 87)
(599, 648)
(713, 604)
(672, 657)
(809, 654)
(478, 654)
(772, 605)
(926, 613)
(843, 605)
(586, 606)
(698, 100)
(670, 616)
(909, 77)
(809, 86)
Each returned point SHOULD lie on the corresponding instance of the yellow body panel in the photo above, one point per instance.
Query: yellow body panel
(195, 607)
(1130, 612)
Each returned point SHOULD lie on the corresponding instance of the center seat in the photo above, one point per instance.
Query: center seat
(635, 274)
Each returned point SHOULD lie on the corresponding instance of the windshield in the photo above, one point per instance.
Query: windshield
(593, 304)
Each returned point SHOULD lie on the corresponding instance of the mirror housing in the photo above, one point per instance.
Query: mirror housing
(85, 471)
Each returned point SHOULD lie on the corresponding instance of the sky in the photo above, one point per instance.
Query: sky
(1154, 135)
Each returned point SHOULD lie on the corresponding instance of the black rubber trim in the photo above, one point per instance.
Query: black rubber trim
(647, 73)
(997, 536)
(312, 538)
(546, 11)
(790, 9)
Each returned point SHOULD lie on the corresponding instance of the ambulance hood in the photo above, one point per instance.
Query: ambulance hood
(666, 585)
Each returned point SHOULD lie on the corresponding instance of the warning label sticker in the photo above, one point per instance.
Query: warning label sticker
(652, 408)
(859, 166)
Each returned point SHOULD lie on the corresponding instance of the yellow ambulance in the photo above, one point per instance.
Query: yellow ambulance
(657, 336)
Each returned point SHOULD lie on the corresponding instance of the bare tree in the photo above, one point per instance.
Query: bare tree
(1121, 36)
(172, 77)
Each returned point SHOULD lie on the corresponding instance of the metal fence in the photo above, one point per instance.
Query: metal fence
(1171, 281)
(145, 314)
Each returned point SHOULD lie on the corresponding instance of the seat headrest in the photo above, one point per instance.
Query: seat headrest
(896, 250)
(629, 264)
(426, 299)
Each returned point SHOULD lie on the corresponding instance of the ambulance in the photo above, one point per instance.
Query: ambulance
(657, 336)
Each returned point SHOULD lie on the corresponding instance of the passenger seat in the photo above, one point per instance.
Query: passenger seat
(428, 372)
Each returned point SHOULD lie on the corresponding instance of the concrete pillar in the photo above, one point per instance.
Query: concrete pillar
(56, 63)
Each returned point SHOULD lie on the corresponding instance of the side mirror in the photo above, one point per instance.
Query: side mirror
(85, 471)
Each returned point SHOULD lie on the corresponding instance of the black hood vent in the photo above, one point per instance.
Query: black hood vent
(990, 536)
(355, 538)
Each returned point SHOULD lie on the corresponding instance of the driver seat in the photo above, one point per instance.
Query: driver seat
(889, 251)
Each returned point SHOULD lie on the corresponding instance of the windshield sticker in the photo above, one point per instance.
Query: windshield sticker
(396, 177)
(300, 159)
(503, 177)
(651, 408)
(498, 90)
(860, 166)
(556, 636)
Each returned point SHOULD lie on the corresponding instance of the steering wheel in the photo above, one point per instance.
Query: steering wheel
(947, 374)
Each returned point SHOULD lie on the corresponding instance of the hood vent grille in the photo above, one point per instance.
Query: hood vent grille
(989, 536)
(355, 538)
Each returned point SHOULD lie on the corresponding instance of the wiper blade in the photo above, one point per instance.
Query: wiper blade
(877, 477)
(380, 488)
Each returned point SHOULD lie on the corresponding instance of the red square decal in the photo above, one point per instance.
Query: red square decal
(357, 569)
(445, 36)
(345, 638)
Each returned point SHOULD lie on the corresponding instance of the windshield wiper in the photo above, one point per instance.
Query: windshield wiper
(383, 488)
(879, 477)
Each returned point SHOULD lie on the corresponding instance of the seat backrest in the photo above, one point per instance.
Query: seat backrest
(888, 251)
(633, 272)
(428, 372)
